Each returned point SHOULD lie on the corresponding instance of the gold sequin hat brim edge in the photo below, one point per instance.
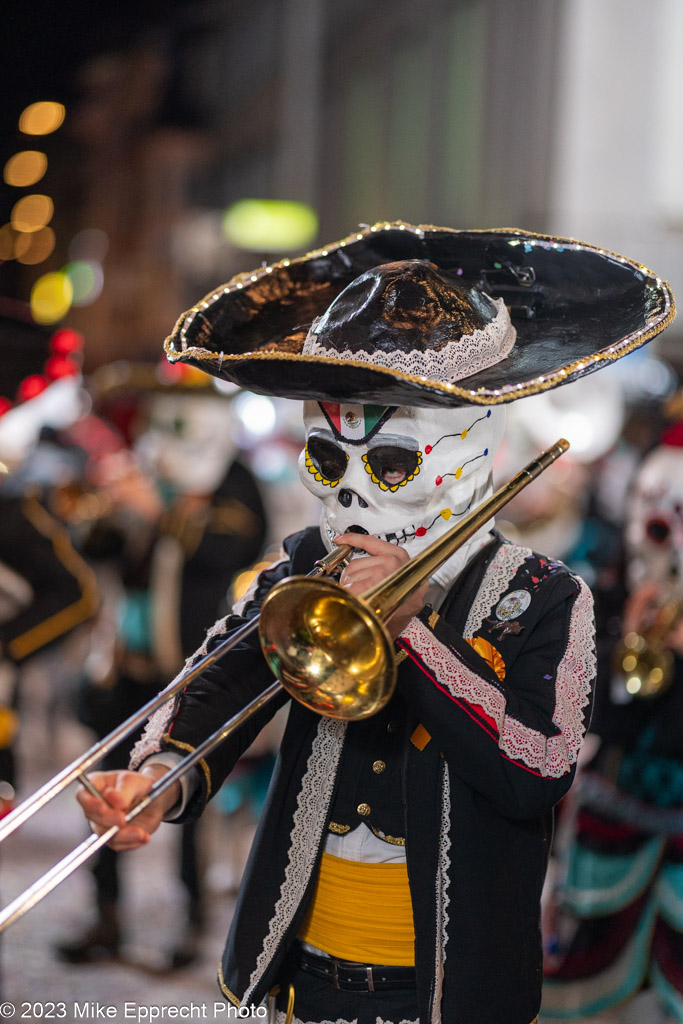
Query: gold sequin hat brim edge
(270, 370)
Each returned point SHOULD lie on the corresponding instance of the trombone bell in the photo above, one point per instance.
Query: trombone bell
(327, 648)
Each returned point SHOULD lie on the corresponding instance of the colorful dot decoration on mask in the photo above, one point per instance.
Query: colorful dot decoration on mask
(462, 435)
(445, 513)
(458, 473)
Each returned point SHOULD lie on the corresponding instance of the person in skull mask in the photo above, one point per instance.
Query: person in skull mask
(397, 870)
(186, 515)
(616, 922)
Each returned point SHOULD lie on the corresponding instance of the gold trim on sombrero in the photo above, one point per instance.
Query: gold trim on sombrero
(480, 396)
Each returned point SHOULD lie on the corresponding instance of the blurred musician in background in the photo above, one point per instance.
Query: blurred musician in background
(47, 590)
(617, 926)
(180, 516)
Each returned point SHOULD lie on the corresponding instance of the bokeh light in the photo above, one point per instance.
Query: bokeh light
(34, 246)
(90, 244)
(61, 366)
(256, 413)
(179, 373)
(66, 341)
(7, 236)
(272, 462)
(51, 297)
(32, 213)
(25, 168)
(86, 280)
(41, 118)
(270, 225)
(243, 580)
(589, 412)
(32, 386)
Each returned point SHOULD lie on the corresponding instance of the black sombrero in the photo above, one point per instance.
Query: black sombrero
(403, 315)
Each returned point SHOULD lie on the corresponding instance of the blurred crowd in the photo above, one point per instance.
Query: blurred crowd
(128, 516)
(133, 517)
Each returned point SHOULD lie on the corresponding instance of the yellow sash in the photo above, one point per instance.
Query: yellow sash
(362, 912)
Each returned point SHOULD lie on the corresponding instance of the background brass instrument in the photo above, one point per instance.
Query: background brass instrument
(75, 504)
(643, 664)
(329, 649)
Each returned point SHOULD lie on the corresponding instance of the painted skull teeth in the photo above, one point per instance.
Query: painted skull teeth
(398, 537)
(408, 533)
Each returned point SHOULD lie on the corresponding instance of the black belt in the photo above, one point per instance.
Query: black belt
(355, 977)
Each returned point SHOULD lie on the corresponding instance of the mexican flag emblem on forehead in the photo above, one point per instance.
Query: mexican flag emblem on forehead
(355, 423)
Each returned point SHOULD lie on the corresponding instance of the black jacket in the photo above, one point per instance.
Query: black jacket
(61, 588)
(477, 797)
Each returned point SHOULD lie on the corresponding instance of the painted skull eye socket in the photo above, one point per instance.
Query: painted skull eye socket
(658, 531)
(175, 427)
(392, 465)
(328, 459)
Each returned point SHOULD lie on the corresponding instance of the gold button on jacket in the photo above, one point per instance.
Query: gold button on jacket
(378, 767)
(363, 810)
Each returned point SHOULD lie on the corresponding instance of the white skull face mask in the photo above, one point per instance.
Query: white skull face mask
(654, 531)
(189, 442)
(405, 475)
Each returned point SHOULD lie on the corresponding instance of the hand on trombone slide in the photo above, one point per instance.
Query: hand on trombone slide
(363, 573)
(119, 791)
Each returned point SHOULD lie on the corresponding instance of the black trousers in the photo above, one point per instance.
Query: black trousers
(317, 1001)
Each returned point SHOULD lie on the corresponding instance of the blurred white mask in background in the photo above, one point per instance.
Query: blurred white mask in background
(189, 442)
(654, 529)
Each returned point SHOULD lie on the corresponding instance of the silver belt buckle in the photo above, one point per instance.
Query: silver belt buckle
(371, 983)
(335, 973)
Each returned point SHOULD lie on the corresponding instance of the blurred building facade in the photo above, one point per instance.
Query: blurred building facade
(552, 115)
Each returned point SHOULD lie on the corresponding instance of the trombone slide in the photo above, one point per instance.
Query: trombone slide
(342, 672)
(65, 867)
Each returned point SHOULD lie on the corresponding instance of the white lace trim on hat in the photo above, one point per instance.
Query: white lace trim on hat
(457, 359)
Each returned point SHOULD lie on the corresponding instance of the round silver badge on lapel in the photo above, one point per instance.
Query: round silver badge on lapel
(513, 605)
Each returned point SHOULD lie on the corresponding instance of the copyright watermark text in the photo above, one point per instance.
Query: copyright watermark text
(93, 1010)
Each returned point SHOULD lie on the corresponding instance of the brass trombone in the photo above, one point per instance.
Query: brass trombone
(329, 649)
